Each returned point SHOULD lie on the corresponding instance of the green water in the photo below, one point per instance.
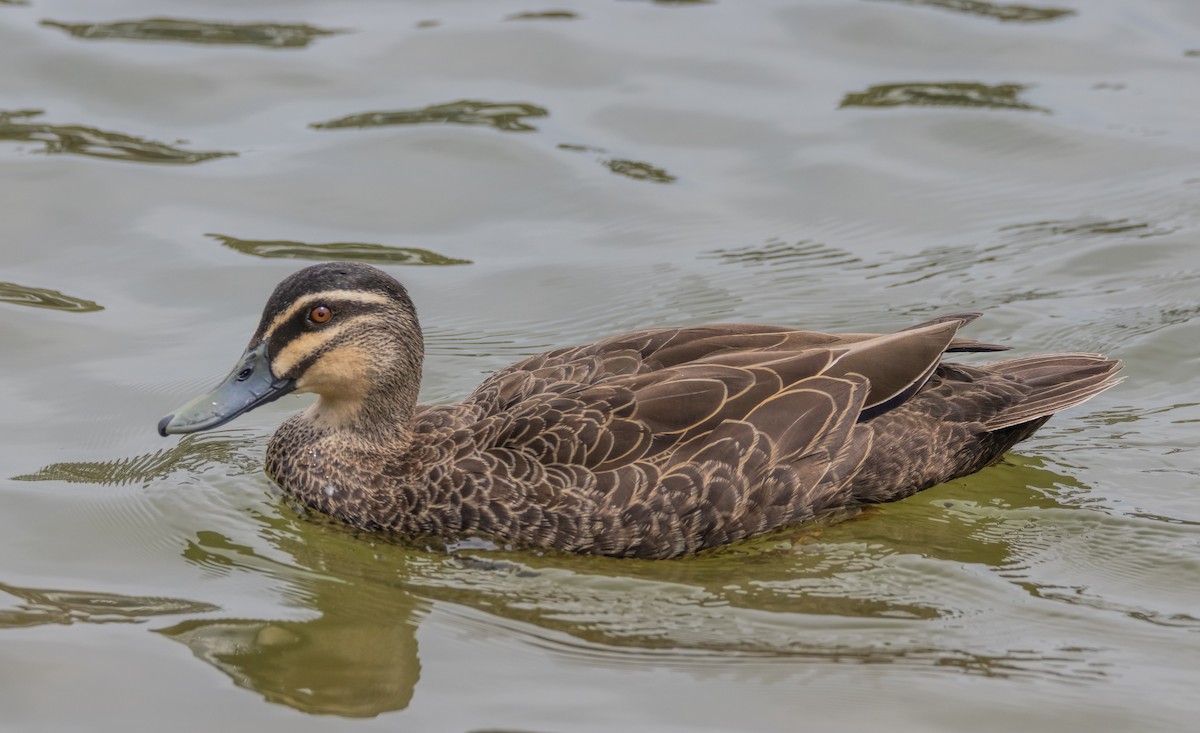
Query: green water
(540, 175)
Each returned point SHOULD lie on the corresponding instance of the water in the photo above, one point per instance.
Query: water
(547, 174)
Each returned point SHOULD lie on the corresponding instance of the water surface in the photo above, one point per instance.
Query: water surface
(540, 175)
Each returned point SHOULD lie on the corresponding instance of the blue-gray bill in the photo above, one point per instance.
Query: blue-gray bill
(249, 385)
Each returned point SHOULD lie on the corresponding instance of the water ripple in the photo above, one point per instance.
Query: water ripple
(544, 15)
(45, 298)
(94, 142)
(41, 606)
(630, 621)
(802, 254)
(357, 251)
(635, 169)
(266, 35)
(639, 171)
(1160, 302)
(997, 11)
(1144, 569)
(504, 116)
(1086, 228)
(942, 94)
(193, 454)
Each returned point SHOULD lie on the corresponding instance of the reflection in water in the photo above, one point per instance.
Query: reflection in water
(1001, 12)
(268, 35)
(634, 169)
(45, 298)
(192, 454)
(545, 15)
(504, 116)
(806, 595)
(80, 140)
(358, 658)
(639, 171)
(359, 252)
(332, 665)
(941, 94)
(579, 148)
(45, 606)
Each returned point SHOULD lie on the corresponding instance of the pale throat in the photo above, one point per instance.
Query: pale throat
(357, 407)
(335, 415)
(342, 382)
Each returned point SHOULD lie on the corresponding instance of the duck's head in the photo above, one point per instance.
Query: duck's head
(345, 331)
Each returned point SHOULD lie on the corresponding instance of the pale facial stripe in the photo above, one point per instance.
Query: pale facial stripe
(315, 299)
(305, 345)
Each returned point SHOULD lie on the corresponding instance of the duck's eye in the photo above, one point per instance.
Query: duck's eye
(320, 314)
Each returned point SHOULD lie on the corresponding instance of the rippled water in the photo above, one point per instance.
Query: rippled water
(560, 172)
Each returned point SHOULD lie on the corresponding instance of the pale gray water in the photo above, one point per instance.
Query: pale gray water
(540, 178)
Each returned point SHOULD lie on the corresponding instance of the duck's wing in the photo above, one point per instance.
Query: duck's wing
(632, 353)
(641, 396)
(656, 350)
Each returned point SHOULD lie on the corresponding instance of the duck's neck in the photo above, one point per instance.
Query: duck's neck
(367, 390)
(383, 419)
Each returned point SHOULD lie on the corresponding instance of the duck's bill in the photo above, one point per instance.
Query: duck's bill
(249, 385)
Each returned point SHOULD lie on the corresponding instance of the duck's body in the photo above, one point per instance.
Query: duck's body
(651, 444)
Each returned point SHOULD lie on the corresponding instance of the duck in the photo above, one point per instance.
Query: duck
(652, 444)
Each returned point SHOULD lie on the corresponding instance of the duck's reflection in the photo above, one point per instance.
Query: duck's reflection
(341, 663)
(822, 593)
(357, 657)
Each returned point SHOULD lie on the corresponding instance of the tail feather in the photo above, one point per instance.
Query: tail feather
(962, 318)
(961, 344)
(1056, 382)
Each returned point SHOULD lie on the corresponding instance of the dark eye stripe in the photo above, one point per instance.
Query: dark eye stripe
(309, 360)
(299, 324)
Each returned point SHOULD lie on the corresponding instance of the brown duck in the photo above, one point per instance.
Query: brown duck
(651, 444)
